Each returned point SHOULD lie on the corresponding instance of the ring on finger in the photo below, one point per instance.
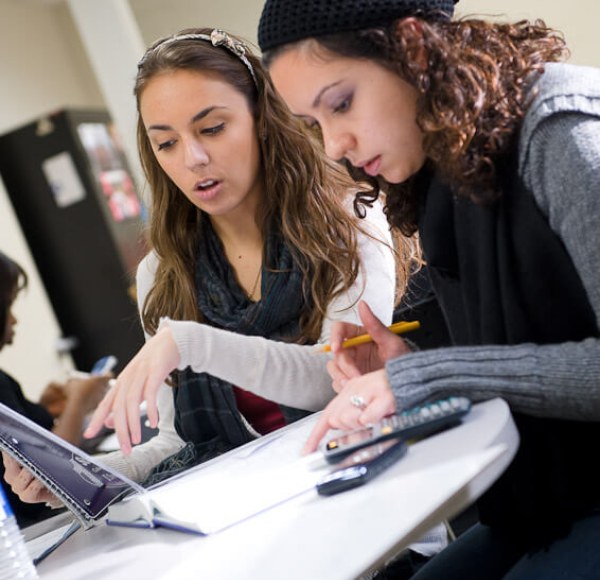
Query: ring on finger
(358, 402)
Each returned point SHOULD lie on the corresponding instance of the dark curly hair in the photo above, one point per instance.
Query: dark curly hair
(473, 94)
(13, 279)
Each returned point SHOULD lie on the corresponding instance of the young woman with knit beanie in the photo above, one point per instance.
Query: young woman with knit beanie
(489, 147)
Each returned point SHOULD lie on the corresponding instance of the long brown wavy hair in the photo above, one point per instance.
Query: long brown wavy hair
(473, 94)
(304, 193)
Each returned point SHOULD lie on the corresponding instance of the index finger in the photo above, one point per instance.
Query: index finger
(318, 432)
(340, 331)
(100, 414)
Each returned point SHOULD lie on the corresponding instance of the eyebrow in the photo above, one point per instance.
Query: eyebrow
(200, 115)
(318, 98)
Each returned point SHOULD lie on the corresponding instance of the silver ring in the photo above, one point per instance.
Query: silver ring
(358, 402)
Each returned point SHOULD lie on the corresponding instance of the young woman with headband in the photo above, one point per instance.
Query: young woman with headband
(489, 147)
(256, 252)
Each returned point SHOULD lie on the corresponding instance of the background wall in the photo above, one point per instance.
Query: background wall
(576, 19)
(44, 68)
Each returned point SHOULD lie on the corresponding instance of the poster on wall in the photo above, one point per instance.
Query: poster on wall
(64, 181)
(107, 161)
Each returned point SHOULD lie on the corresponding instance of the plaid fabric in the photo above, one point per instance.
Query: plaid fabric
(206, 414)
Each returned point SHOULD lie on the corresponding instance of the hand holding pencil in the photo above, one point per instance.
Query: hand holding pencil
(397, 328)
(354, 355)
(357, 372)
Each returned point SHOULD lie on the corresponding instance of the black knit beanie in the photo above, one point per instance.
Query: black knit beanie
(285, 21)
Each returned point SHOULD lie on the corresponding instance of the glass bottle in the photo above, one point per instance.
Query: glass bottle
(15, 561)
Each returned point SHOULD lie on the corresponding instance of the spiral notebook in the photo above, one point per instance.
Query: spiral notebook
(86, 487)
(202, 500)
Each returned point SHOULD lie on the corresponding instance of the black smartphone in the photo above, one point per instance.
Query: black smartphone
(420, 421)
(362, 466)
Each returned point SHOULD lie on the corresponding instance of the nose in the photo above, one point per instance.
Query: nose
(337, 143)
(196, 154)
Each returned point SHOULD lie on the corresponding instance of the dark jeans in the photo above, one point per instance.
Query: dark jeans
(483, 553)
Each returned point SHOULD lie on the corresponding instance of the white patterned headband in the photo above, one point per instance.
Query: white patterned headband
(216, 38)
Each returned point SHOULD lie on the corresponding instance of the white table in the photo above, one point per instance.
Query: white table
(337, 537)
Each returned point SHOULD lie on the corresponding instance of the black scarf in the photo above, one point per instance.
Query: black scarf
(205, 409)
(502, 276)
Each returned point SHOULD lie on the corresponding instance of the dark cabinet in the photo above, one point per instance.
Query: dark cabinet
(74, 196)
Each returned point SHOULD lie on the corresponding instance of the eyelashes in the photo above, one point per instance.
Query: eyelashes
(343, 105)
(213, 130)
(165, 145)
(208, 131)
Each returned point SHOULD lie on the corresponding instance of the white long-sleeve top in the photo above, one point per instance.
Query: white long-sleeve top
(289, 374)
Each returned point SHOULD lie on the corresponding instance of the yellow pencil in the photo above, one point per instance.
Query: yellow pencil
(397, 328)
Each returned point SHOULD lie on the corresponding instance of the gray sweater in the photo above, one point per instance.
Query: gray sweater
(559, 161)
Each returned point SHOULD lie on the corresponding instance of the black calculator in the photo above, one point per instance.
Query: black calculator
(414, 423)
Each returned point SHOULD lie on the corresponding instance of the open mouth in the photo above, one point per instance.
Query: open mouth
(207, 189)
(206, 185)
